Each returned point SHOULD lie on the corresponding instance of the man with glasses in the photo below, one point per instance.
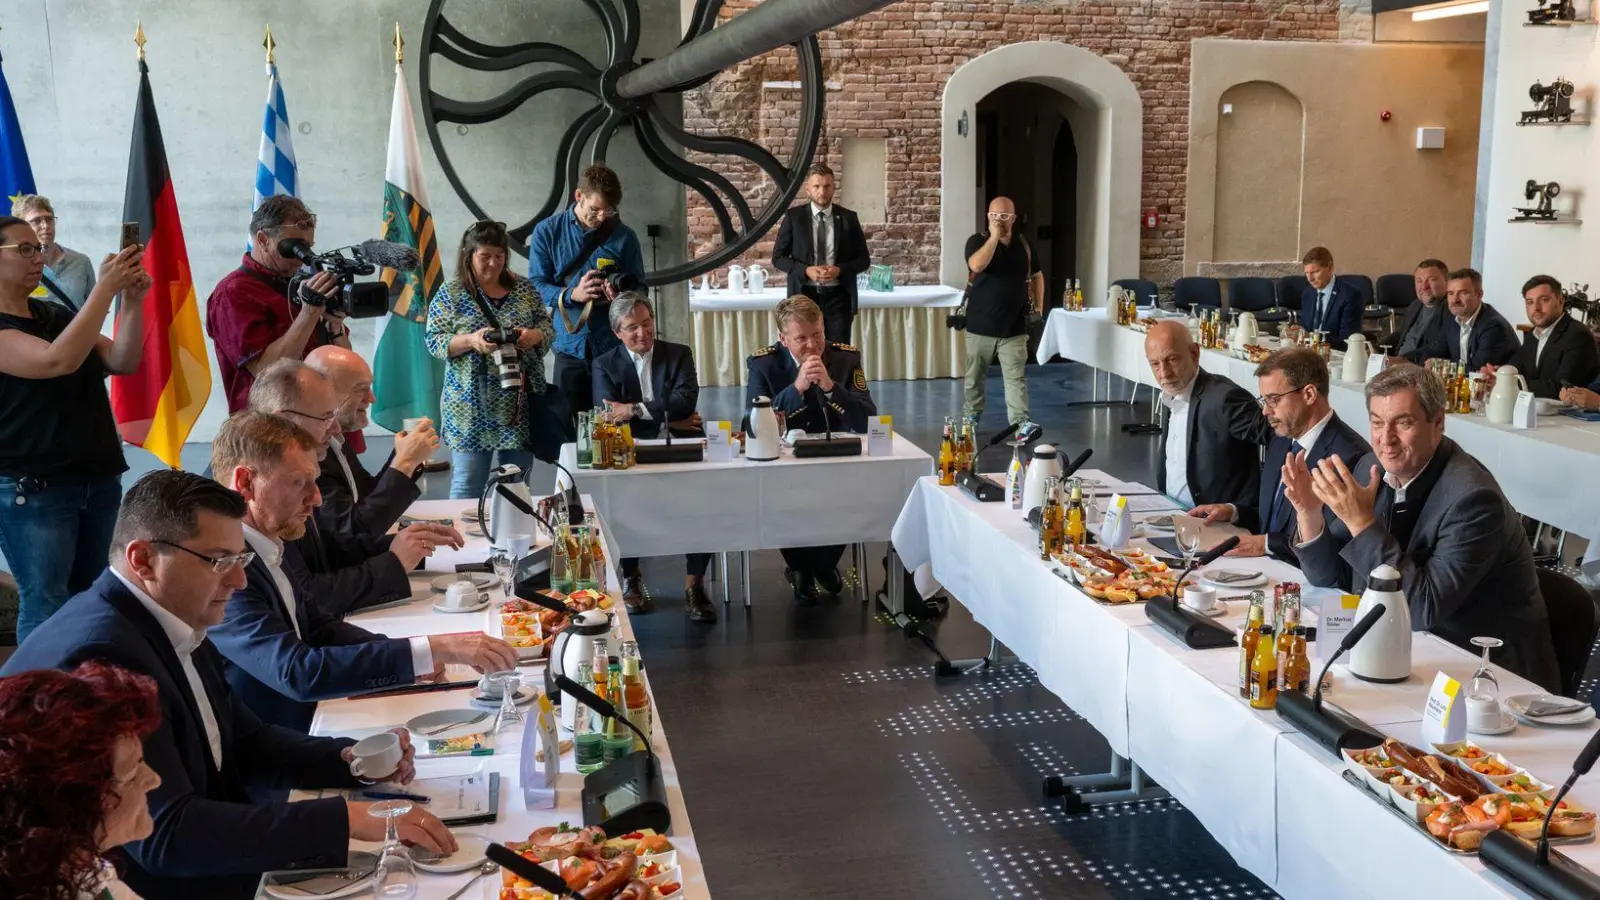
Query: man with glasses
(576, 260)
(177, 555)
(1005, 284)
(251, 317)
(1211, 445)
(347, 562)
(68, 274)
(283, 653)
(1294, 394)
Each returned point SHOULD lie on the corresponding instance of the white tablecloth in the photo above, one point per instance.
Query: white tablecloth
(358, 717)
(1544, 471)
(901, 333)
(1271, 798)
(659, 510)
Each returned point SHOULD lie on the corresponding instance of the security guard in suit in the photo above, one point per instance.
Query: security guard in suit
(818, 386)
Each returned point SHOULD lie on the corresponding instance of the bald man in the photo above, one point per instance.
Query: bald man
(1211, 447)
(350, 493)
(1005, 284)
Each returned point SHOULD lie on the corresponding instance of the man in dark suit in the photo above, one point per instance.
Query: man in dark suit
(1474, 333)
(1211, 447)
(351, 494)
(652, 386)
(178, 553)
(1558, 351)
(1423, 315)
(818, 386)
(822, 248)
(283, 653)
(346, 562)
(1437, 516)
(1294, 394)
(1328, 305)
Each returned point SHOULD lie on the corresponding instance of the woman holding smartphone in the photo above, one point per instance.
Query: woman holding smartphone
(61, 460)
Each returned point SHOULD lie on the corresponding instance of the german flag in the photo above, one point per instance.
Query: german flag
(157, 406)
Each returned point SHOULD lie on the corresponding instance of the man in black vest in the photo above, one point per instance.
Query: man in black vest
(821, 246)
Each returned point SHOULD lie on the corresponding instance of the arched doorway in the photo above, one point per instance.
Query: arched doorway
(1260, 167)
(1102, 108)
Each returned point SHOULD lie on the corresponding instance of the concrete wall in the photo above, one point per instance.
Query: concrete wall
(73, 75)
(1513, 252)
(1367, 193)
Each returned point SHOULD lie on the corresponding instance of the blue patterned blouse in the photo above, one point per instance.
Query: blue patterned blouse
(478, 414)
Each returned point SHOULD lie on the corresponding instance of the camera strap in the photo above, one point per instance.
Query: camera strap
(591, 242)
(484, 307)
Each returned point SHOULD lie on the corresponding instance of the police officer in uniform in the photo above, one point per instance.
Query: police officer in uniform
(808, 378)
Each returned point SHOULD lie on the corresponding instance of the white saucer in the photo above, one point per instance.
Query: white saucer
(480, 580)
(440, 607)
(471, 851)
(1508, 723)
(1258, 580)
(1216, 612)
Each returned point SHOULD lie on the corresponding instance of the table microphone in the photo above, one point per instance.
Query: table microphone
(976, 486)
(828, 445)
(528, 870)
(1585, 762)
(1532, 867)
(1350, 640)
(1072, 468)
(1332, 727)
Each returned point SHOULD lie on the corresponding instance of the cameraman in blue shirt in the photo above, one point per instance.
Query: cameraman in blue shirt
(579, 259)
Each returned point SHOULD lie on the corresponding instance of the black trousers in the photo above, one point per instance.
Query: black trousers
(811, 560)
(695, 564)
(571, 375)
(837, 317)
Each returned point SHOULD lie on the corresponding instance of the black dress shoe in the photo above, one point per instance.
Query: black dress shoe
(634, 597)
(831, 582)
(698, 604)
(805, 589)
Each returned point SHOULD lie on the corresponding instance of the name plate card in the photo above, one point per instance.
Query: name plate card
(880, 436)
(1526, 413)
(719, 441)
(1442, 719)
(539, 778)
(1336, 615)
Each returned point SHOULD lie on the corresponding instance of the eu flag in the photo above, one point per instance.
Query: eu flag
(16, 176)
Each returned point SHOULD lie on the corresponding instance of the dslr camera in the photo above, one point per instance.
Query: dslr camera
(357, 300)
(617, 280)
(507, 364)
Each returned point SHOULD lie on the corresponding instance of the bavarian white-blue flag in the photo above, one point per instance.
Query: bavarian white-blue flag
(407, 380)
(276, 172)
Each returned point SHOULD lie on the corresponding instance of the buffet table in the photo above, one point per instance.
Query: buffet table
(358, 718)
(901, 333)
(1543, 471)
(1274, 800)
(743, 506)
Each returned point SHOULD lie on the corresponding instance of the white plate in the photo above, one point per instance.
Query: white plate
(470, 852)
(1215, 612)
(358, 858)
(480, 580)
(440, 717)
(1256, 579)
(440, 607)
(1578, 718)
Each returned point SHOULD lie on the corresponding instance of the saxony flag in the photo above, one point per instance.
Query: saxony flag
(407, 379)
(156, 406)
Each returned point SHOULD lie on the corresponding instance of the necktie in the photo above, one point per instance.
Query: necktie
(822, 239)
(1278, 498)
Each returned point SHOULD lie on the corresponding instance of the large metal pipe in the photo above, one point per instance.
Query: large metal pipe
(766, 27)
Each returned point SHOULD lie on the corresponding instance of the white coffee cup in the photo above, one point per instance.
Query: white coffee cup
(461, 595)
(376, 757)
(412, 424)
(1483, 715)
(1200, 597)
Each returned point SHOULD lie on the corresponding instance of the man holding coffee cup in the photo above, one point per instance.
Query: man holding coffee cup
(284, 654)
(178, 553)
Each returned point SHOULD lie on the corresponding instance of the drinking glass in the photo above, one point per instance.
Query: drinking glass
(509, 681)
(1186, 531)
(505, 568)
(395, 875)
(561, 562)
(1484, 686)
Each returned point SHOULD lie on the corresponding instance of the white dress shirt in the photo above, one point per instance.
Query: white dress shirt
(270, 550)
(185, 641)
(1177, 461)
(647, 390)
(826, 240)
(1540, 335)
(336, 447)
(1466, 333)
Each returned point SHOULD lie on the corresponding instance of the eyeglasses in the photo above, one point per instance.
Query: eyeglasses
(1002, 217)
(219, 564)
(36, 221)
(26, 251)
(327, 419)
(1268, 401)
(486, 228)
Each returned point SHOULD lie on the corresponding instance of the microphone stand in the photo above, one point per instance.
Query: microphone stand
(1331, 726)
(829, 445)
(976, 486)
(1195, 630)
(1533, 868)
(636, 772)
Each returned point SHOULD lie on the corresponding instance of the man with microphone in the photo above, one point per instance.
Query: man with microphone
(818, 386)
(250, 316)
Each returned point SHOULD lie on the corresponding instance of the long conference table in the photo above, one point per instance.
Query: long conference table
(1544, 471)
(1272, 798)
(358, 717)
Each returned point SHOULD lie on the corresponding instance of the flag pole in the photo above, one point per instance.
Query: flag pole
(270, 44)
(138, 39)
(399, 45)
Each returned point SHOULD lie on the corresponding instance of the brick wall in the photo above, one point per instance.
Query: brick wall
(891, 68)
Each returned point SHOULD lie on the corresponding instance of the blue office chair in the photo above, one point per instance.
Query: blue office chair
(1396, 291)
(1258, 296)
(1196, 290)
(1146, 291)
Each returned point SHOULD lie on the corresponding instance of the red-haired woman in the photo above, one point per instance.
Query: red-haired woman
(72, 779)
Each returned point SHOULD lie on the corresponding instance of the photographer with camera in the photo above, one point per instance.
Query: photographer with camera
(251, 315)
(580, 259)
(1005, 285)
(491, 330)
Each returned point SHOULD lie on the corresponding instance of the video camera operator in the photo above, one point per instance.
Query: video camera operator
(251, 316)
(489, 327)
(580, 259)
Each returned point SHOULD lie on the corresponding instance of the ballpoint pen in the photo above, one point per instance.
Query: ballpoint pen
(396, 795)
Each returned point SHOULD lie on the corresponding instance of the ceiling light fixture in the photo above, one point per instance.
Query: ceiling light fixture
(1447, 10)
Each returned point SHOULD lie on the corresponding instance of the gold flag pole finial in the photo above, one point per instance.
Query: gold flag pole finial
(399, 45)
(138, 39)
(270, 44)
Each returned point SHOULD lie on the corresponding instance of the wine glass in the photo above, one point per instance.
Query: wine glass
(395, 875)
(509, 681)
(1484, 686)
(1186, 531)
(505, 568)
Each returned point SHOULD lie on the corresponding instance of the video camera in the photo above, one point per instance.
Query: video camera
(358, 300)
